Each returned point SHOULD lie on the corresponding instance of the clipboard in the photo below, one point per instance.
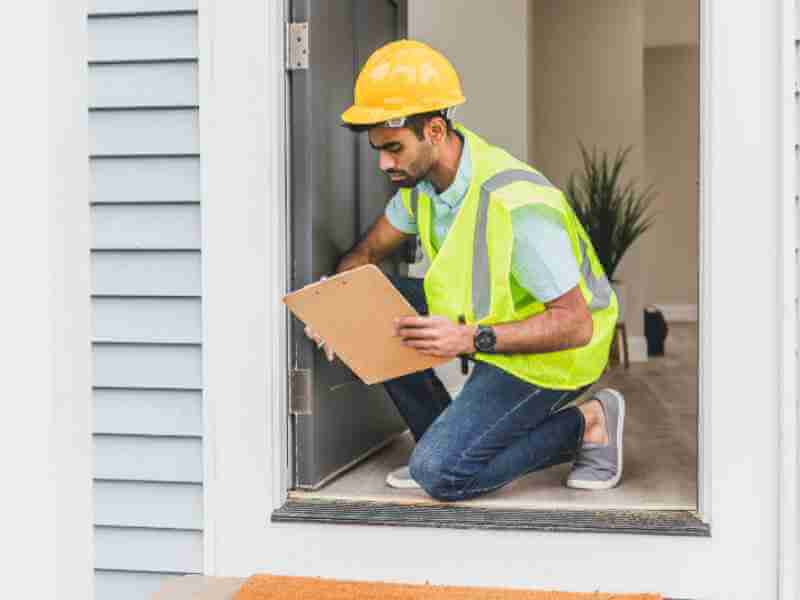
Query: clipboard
(354, 313)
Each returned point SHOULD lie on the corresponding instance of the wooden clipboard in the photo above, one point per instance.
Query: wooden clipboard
(354, 313)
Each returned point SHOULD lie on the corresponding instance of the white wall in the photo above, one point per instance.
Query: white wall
(246, 334)
(487, 42)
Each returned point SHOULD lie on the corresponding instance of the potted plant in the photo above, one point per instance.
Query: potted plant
(614, 212)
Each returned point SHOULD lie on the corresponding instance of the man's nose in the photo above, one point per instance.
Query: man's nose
(385, 162)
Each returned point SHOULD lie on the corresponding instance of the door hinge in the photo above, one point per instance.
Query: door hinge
(300, 392)
(296, 46)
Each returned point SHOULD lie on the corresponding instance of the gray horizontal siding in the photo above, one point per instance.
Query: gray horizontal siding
(146, 273)
(167, 226)
(147, 320)
(121, 585)
(147, 366)
(168, 131)
(148, 550)
(143, 38)
(101, 7)
(145, 200)
(144, 180)
(154, 505)
(137, 85)
(148, 412)
(131, 458)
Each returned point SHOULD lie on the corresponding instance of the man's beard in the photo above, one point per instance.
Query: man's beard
(408, 180)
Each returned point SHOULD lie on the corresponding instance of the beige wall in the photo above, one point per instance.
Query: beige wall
(589, 85)
(670, 249)
(588, 81)
(671, 23)
(487, 42)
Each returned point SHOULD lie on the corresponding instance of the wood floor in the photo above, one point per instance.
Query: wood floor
(660, 448)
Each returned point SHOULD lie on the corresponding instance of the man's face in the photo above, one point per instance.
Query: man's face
(406, 159)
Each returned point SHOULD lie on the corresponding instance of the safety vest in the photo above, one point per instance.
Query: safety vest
(470, 275)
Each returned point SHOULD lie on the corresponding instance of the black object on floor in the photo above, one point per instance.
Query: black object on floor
(655, 330)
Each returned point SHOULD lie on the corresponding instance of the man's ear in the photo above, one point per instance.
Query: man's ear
(437, 131)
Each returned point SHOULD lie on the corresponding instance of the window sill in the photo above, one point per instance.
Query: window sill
(642, 522)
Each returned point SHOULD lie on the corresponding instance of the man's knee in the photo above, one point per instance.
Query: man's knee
(432, 471)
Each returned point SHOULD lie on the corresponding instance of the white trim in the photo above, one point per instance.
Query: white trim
(278, 228)
(789, 503)
(637, 348)
(205, 72)
(679, 313)
(45, 315)
(705, 238)
(244, 248)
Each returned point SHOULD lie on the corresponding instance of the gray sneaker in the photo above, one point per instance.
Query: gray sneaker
(401, 479)
(599, 466)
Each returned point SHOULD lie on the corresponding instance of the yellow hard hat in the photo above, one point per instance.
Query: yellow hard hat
(400, 79)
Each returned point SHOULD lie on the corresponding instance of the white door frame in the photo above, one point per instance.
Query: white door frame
(789, 457)
(244, 268)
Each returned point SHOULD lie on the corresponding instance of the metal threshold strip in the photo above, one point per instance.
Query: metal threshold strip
(642, 522)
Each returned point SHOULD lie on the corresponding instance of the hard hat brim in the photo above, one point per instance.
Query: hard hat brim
(360, 115)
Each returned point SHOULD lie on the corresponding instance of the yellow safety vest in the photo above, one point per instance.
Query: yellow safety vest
(470, 274)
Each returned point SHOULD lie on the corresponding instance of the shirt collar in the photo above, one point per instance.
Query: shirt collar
(455, 193)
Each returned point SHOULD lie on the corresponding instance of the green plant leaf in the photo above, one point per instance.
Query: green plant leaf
(614, 213)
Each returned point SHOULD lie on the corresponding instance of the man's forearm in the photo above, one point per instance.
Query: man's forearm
(357, 257)
(550, 331)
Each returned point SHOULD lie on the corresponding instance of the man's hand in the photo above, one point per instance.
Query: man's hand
(436, 336)
(320, 343)
(311, 334)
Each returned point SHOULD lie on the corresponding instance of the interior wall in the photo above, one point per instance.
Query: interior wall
(487, 42)
(589, 86)
(671, 23)
(670, 248)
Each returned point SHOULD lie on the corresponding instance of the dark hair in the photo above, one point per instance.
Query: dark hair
(415, 123)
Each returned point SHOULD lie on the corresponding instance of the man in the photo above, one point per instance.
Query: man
(514, 284)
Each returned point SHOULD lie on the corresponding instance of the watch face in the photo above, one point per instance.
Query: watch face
(485, 340)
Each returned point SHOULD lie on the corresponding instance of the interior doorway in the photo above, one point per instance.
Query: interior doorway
(541, 77)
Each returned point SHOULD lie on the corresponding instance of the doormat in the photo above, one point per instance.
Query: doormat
(275, 587)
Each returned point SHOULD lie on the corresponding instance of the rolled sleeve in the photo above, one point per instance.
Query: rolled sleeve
(542, 260)
(398, 216)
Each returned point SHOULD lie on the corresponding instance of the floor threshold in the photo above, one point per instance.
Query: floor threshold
(642, 522)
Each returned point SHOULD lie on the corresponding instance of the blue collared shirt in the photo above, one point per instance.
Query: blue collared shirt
(542, 262)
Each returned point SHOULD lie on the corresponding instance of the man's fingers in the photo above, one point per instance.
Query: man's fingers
(409, 333)
(433, 351)
(422, 345)
(403, 322)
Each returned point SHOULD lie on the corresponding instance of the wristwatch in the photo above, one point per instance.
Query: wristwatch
(485, 339)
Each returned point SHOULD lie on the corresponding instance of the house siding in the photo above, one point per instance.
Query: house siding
(146, 294)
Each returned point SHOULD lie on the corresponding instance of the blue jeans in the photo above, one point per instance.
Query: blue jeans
(495, 430)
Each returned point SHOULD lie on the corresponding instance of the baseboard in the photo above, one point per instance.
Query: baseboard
(637, 348)
(679, 313)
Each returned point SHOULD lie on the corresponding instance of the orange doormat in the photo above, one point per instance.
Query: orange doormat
(278, 587)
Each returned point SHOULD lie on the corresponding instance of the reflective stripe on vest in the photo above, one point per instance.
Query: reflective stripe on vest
(600, 287)
(481, 286)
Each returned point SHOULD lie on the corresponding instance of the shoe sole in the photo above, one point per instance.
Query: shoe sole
(402, 484)
(607, 485)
